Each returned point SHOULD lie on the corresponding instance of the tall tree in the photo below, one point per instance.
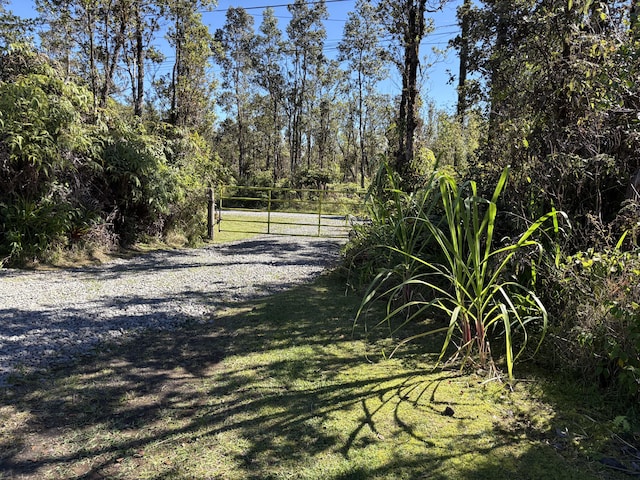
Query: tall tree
(100, 40)
(270, 77)
(114, 20)
(145, 25)
(13, 29)
(306, 34)
(237, 40)
(406, 22)
(462, 42)
(92, 31)
(366, 59)
(324, 111)
(189, 86)
(60, 34)
(140, 50)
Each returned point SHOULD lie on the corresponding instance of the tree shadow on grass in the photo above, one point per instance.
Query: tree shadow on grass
(163, 386)
(269, 388)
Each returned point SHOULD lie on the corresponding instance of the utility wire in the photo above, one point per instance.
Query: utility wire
(312, 2)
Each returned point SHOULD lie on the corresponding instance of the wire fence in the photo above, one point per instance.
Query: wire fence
(285, 211)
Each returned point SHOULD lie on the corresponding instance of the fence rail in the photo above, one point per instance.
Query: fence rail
(285, 211)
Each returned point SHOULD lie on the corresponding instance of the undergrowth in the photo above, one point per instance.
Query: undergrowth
(438, 255)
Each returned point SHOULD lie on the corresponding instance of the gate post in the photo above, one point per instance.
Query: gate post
(320, 196)
(210, 213)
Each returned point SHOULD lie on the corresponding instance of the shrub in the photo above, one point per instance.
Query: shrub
(70, 175)
(594, 297)
(313, 177)
(30, 228)
(44, 144)
(138, 180)
(375, 243)
(197, 168)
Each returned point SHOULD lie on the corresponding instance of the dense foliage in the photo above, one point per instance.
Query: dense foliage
(596, 298)
(71, 175)
(563, 105)
(563, 111)
(555, 83)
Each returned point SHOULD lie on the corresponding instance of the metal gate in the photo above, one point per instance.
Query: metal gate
(287, 211)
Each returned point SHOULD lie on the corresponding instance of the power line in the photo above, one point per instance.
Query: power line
(167, 63)
(311, 2)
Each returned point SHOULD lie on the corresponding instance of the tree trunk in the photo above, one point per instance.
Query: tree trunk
(92, 58)
(497, 83)
(408, 121)
(138, 99)
(464, 58)
(175, 115)
(111, 61)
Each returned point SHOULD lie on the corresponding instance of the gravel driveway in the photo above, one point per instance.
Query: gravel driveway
(50, 317)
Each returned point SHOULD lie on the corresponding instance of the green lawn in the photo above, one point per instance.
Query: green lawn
(282, 388)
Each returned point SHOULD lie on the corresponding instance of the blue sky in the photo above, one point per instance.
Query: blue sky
(435, 87)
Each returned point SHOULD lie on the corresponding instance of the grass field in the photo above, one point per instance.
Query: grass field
(282, 387)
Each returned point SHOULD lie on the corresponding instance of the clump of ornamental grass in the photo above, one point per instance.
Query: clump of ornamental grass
(448, 262)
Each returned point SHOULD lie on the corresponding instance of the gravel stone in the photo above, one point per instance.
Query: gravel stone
(51, 317)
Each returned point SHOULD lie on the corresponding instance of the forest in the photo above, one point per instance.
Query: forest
(520, 209)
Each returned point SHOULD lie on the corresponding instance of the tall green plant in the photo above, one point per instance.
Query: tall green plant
(390, 210)
(466, 274)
